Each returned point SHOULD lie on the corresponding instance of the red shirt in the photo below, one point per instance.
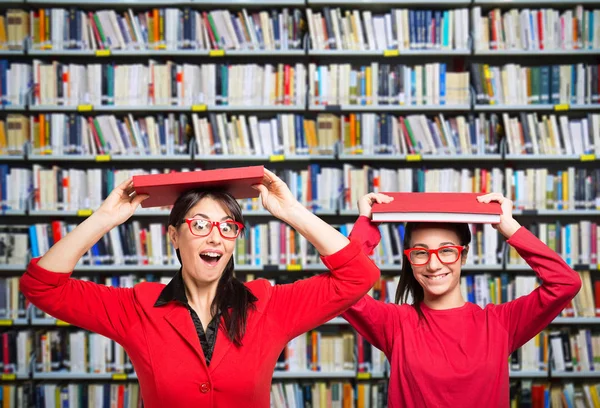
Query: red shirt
(162, 341)
(459, 357)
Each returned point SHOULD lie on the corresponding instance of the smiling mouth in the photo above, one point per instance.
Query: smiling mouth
(437, 277)
(211, 258)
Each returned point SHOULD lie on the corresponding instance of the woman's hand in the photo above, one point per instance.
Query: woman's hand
(276, 196)
(508, 225)
(365, 203)
(121, 203)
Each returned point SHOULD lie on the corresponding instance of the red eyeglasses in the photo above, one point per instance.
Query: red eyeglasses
(447, 254)
(201, 228)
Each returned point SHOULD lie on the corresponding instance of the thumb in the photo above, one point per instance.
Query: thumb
(138, 199)
(262, 189)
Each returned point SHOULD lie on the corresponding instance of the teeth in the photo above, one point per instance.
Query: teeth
(437, 277)
(211, 254)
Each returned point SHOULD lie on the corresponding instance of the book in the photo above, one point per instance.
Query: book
(164, 189)
(437, 207)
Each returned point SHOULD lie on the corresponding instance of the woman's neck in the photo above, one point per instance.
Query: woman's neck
(200, 296)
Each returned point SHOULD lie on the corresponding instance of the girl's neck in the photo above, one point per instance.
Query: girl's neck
(450, 300)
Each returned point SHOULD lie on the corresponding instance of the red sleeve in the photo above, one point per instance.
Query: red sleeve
(308, 303)
(367, 233)
(375, 320)
(528, 315)
(105, 310)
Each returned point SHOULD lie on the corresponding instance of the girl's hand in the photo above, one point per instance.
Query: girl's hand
(365, 203)
(276, 196)
(121, 203)
(508, 225)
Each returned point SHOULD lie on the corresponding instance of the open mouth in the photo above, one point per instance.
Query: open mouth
(210, 257)
(437, 277)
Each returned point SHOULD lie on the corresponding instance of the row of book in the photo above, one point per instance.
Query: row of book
(12, 302)
(527, 393)
(387, 84)
(70, 350)
(77, 351)
(288, 394)
(294, 134)
(319, 187)
(350, 29)
(541, 188)
(166, 135)
(291, 394)
(532, 29)
(576, 242)
(73, 189)
(528, 133)
(400, 29)
(335, 394)
(489, 288)
(167, 83)
(166, 29)
(562, 349)
(274, 243)
(531, 188)
(173, 84)
(516, 84)
(80, 395)
(371, 133)
(575, 350)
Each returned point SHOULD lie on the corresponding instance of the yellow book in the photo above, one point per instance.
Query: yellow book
(595, 396)
(323, 394)
(361, 396)
(487, 73)
(3, 38)
(3, 145)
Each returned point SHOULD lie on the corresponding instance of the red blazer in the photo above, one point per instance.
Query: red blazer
(162, 341)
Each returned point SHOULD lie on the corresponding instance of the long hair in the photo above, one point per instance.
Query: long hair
(233, 299)
(408, 285)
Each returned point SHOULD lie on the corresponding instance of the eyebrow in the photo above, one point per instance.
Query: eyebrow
(227, 217)
(421, 245)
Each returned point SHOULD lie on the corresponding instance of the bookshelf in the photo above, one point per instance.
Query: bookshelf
(334, 156)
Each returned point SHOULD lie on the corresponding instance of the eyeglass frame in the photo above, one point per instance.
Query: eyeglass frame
(460, 248)
(188, 221)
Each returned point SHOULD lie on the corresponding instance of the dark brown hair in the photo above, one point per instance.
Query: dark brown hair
(233, 299)
(408, 284)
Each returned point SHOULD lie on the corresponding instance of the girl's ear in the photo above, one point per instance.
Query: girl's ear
(463, 255)
(173, 236)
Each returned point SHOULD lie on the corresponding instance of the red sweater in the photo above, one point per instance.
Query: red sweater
(162, 341)
(459, 357)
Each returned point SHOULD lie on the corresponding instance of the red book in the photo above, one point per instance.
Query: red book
(437, 207)
(164, 189)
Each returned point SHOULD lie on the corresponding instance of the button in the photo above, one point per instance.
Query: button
(205, 387)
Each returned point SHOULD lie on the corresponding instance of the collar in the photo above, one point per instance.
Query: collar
(174, 291)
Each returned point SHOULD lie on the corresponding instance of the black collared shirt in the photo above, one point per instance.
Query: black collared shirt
(175, 291)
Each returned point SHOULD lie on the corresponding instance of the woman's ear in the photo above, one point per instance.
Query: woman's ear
(463, 255)
(173, 236)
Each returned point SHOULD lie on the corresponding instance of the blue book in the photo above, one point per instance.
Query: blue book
(35, 252)
(442, 84)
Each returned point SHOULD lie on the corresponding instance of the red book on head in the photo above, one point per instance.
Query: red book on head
(437, 207)
(164, 189)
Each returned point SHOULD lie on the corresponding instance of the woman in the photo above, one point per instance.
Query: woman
(205, 339)
(442, 350)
